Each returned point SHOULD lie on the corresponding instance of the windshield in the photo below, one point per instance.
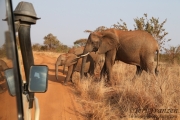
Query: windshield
(9, 109)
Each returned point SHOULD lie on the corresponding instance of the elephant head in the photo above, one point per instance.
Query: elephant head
(77, 51)
(67, 59)
(99, 42)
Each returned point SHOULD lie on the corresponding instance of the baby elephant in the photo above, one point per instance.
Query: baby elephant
(93, 63)
(77, 51)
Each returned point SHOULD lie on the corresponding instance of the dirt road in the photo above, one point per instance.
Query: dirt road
(59, 102)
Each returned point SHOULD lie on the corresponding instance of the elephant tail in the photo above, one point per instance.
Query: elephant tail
(156, 69)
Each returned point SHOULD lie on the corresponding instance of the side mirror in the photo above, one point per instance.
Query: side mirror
(9, 75)
(38, 78)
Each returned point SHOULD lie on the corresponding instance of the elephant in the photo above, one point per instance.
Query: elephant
(77, 51)
(94, 61)
(3, 66)
(132, 47)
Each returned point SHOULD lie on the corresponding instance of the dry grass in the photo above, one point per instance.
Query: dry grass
(132, 100)
(52, 54)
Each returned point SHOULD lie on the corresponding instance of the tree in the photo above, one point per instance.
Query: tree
(80, 42)
(62, 48)
(120, 26)
(88, 31)
(154, 27)
(101, 28)
(173, 53)
(51, 41)
(36, 47)
(43, 48)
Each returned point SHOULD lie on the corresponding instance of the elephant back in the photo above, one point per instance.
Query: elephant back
(76, 51)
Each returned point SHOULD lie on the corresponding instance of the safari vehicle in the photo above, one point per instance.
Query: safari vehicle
(17, 99)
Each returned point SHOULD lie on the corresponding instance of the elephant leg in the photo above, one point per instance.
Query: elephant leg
(151, 69)
(69, 74)
(74, 66)
(109, 70)
(110, 58)
(64, 69)
(103, 72)
(138, 72)
(86, 74)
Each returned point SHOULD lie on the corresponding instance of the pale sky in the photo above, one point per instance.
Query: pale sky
(67, 19)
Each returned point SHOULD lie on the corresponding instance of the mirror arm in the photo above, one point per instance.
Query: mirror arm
(25, 89)
(26, 92)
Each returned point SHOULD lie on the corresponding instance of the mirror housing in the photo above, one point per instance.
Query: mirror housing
(38, 78)
(9, 75)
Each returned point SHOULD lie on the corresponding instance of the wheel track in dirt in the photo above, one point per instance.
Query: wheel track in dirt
(58, 103)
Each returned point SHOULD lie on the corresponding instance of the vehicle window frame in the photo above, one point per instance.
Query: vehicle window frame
(15, 61)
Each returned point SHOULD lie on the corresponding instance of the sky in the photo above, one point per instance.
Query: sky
(67, 19)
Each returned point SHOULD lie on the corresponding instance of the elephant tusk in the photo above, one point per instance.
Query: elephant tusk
(78, 57)
(85, 54)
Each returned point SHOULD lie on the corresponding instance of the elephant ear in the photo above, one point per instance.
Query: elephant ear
(78, 51)
(109, 41)
(71, 59)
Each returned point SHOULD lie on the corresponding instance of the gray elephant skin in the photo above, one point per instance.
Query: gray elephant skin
(77, 51)
(74, 63)
(131, 47)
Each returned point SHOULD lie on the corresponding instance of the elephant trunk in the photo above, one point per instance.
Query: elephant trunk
(58, 62)
(88, 48)
(83, 66)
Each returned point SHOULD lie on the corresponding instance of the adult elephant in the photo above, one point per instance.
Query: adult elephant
(74, 63)
(132, 47)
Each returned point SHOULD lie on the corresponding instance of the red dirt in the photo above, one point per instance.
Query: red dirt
(58, 103)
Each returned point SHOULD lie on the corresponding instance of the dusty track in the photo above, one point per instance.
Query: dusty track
(58, 103)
